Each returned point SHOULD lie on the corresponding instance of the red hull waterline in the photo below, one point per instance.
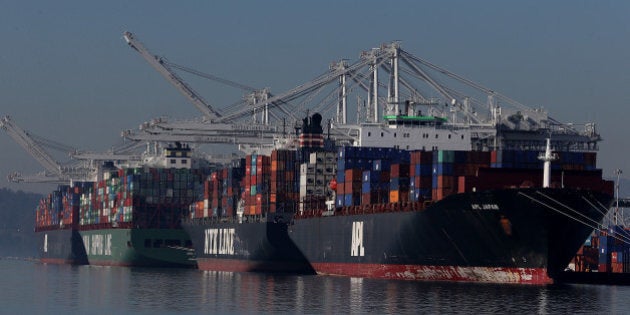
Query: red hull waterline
(536, 276)
(237, 265)
(57, 261)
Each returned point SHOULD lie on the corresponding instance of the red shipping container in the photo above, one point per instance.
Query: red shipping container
(341, 188)
(461, 184)
(403, 195)
(445, 181)
(353, 175)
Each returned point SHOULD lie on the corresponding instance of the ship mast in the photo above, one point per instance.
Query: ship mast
(618, 172)
(547, 157)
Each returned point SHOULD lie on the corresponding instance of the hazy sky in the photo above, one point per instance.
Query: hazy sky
(66, 74)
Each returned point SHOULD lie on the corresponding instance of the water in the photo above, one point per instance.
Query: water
(33, 288)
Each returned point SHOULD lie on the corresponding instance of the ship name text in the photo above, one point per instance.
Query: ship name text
(98, 244)
(484, 206)
(219, 242)
(357, 249)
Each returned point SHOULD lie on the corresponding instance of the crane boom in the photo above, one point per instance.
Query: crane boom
(31, 146)
(164, 69)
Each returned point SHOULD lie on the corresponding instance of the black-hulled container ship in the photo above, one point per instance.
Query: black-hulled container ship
(384, 212)
(242, 222)
(56, 226)
(452, 215)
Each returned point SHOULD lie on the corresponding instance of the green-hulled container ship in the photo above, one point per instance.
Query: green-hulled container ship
(131, 217)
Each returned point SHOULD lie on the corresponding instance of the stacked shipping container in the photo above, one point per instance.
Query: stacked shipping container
(60, 209)
(315, 177)
(605, 251)
(222, 190)
(148, 197)
(421, 176)
(257, 184)
(575, 161)
(284, 181)
(354, 187)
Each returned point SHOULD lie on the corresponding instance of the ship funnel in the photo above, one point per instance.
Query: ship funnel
(547, 157)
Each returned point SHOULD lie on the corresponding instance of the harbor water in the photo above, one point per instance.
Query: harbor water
(30, 287)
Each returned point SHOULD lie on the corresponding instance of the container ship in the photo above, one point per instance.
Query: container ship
(604, 258)
(501, 216)
(423, 186)
(241, 224)
(131, 216)
(57, 226)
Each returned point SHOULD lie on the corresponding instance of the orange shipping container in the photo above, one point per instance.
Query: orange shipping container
(393, 196)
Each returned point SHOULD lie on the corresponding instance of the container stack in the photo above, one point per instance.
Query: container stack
(587, 258)
(257, 184)
(315, 177)
(605, 246)
(233, 177)
(375, 185)
(149, 197)
(399, 183)
(568, 161)
(443, 181)
(420, 176)
(605, 251)
(222, 189)
(49, 210)
(284, 181)
(618, 238)
(351, 162)
(71, 199)
(353, 188)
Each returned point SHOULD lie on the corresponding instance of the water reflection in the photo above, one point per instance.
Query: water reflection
(106, 290)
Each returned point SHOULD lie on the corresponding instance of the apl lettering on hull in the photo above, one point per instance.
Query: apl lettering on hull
(219, 242)
(357, 249)
(98, 244)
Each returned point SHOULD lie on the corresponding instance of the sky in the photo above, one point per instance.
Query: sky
(66, 73)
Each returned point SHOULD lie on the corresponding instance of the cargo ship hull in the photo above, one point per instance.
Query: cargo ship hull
(245, 247)
(138, 247)
(499, 236)
(61, 246)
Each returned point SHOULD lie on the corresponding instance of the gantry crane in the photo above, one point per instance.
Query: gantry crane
(208, 131)
(54, 171)
(163, 68)
(413, 86)
(84, 167)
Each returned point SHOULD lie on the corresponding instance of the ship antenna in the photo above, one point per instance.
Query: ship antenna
(618, 172)
(547, 157)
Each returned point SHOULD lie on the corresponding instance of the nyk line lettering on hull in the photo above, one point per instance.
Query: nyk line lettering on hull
(219, 241)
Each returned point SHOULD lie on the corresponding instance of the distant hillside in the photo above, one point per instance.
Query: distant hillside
(17, 222)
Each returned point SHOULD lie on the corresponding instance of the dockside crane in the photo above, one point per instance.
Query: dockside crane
(159, 64)
(54, 171)
(412, 87)
(83, 167)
